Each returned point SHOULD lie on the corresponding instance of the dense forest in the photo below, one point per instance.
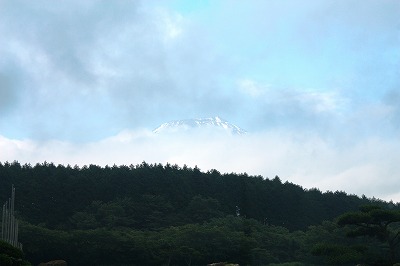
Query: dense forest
(153, 214)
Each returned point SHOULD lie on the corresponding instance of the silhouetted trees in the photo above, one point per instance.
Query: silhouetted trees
(375, 222)
(153, 214)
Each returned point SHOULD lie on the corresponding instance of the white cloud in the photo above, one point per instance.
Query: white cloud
(329, 101)
(251, 87)
(123, 64)
(296, 108)
(173, 25)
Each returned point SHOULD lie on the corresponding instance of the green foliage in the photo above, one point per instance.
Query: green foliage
(375, 222)
(5, 260)
(13, 252)
(287, 264)
(231, 239)
(10, 255)
(166, 215)
(202, 209)
(153, 196)
(336, 254)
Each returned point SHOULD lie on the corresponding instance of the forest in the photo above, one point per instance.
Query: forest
(154, 214)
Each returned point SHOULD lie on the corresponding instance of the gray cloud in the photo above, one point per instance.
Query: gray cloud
(118, 60)
(391, 109)
(7, 93)
(93, 68)
(293, 109)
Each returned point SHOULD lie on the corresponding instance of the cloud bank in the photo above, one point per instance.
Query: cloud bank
(87, 70)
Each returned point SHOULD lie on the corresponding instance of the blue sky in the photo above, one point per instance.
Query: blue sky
(315, 83)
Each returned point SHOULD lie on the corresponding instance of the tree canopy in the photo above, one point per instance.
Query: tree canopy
(375, 222)
(153, 214)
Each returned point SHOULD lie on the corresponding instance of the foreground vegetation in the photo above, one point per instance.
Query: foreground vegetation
(11, 256)
(168, 215)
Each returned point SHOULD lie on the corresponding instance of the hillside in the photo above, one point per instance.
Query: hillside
(64, 203)
(52, 195)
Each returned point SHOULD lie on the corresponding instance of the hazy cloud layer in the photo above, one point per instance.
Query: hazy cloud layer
(94, 65)
(90, 69)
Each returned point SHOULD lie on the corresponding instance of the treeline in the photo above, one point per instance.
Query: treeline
(165, 214)
(231, 239)
(155, 196)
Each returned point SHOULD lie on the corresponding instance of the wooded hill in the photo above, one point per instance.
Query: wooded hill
(170, 215)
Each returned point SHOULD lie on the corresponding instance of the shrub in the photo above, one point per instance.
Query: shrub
(8, 249)
(5, 260)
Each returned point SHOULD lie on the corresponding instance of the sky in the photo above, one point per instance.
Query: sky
(316, 84)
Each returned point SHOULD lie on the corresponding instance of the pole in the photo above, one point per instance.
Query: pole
(16, 234)
(9, 220)
(9, 224)
(2, 221)
(12, 237)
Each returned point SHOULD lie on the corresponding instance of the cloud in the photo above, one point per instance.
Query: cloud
(7, 93)
(86, 62)
(251, 87)
(366, 166)
(99, 67)
(315, 82)
(391, 107)
(293, 108)
(312, 43)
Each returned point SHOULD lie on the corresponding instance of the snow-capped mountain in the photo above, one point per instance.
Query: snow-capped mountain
(202, 123)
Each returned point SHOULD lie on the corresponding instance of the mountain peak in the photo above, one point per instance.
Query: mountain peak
(213, 123)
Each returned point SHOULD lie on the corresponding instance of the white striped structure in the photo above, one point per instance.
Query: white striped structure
(9, 225)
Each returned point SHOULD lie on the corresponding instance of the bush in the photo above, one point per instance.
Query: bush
(287, 264)
(8, 249)
(12, 256)
(5, 260)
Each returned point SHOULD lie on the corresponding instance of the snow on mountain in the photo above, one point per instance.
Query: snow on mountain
(203, 123)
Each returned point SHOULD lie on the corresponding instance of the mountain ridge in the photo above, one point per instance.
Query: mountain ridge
(199, 123)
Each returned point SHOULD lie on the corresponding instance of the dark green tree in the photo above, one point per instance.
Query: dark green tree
(10, 256)
(202, 209)
(375, 222)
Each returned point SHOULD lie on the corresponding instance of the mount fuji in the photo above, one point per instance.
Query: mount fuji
(212, 123)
